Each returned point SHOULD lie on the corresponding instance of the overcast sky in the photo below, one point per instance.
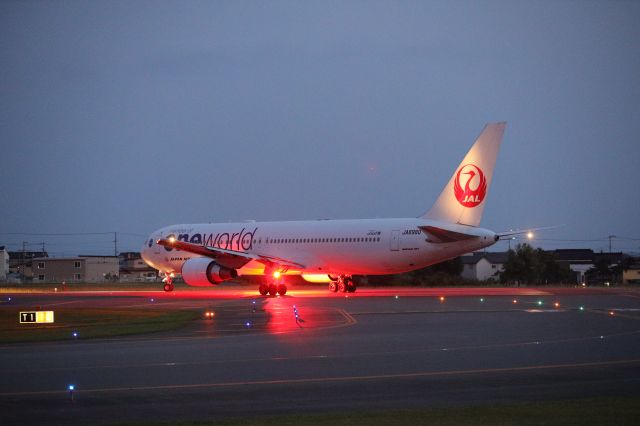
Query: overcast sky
(129, 116)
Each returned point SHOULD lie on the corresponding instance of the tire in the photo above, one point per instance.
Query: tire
(168, 287)
(333, 287)
(273, 289)
(342, 287)
(282, 289)
(351, 288)
(263, 289)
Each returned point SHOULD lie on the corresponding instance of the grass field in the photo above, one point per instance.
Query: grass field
(91, 323)
(81, 286)
(597, 411)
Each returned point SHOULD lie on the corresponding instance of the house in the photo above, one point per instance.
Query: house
(4, 264)
(75, 269)
(482, 266)
(20, 262)
(631, 273)
(133, 268)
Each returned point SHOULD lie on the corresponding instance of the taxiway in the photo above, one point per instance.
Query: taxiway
(376, 349)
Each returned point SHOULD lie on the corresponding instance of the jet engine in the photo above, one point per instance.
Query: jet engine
(202, 272)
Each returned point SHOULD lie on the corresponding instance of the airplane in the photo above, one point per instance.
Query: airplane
(333, 251)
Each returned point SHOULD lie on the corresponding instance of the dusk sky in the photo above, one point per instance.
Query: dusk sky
(129, 116)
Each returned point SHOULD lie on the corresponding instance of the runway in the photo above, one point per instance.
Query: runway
(373, 350)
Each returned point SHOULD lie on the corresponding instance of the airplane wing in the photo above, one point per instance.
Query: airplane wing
(227, 258)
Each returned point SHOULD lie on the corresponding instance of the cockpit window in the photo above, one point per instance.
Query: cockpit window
(150, 242)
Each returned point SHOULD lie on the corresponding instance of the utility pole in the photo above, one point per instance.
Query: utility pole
(610, 237)
(23, 260)
(42, 248)
(115, 244)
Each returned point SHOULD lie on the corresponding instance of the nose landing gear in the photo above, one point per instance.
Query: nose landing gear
(168, 282)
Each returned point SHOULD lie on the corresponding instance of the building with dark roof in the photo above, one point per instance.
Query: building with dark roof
(482, 266)
(631, 274)
(581, 261)
(133, 268)
(90, 269)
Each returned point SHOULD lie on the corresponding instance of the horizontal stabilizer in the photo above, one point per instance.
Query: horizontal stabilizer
(512, 232)
(440, 235)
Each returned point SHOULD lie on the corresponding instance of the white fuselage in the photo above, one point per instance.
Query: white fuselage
(322, 247)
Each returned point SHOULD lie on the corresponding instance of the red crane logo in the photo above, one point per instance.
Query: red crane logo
(475, 186)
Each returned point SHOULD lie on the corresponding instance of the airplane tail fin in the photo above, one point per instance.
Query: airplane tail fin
(463, 198)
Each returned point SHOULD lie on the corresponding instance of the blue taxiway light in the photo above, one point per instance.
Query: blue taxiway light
(74, 334)
(71, 388)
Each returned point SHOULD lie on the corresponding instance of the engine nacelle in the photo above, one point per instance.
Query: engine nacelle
(202, 272)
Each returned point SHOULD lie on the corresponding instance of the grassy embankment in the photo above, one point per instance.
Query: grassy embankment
(90, 323)
(596, 411)
(82, 286)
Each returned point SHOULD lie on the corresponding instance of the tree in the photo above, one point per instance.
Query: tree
(533, 266)
(521, 265)
(551, 270)
(441, 274)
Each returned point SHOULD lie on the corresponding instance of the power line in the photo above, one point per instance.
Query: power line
(59, 234)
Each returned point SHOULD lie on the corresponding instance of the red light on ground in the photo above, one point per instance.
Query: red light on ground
(209, 314)
(611, 313)
(442, 298)
(557, 305)
(515, 301)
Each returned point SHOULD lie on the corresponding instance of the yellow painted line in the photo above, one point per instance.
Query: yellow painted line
(333, 379)
(64, 303)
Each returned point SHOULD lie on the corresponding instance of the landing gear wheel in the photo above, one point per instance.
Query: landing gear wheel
(282, 289)
(342, 287)
(333, 286)
(263, 289)
(273, 289)
(168, 287)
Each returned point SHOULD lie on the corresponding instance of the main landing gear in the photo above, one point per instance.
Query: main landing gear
(343, 284)
(168, 282)
(273, 288)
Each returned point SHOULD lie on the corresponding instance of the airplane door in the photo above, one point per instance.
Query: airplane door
(395, 241)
